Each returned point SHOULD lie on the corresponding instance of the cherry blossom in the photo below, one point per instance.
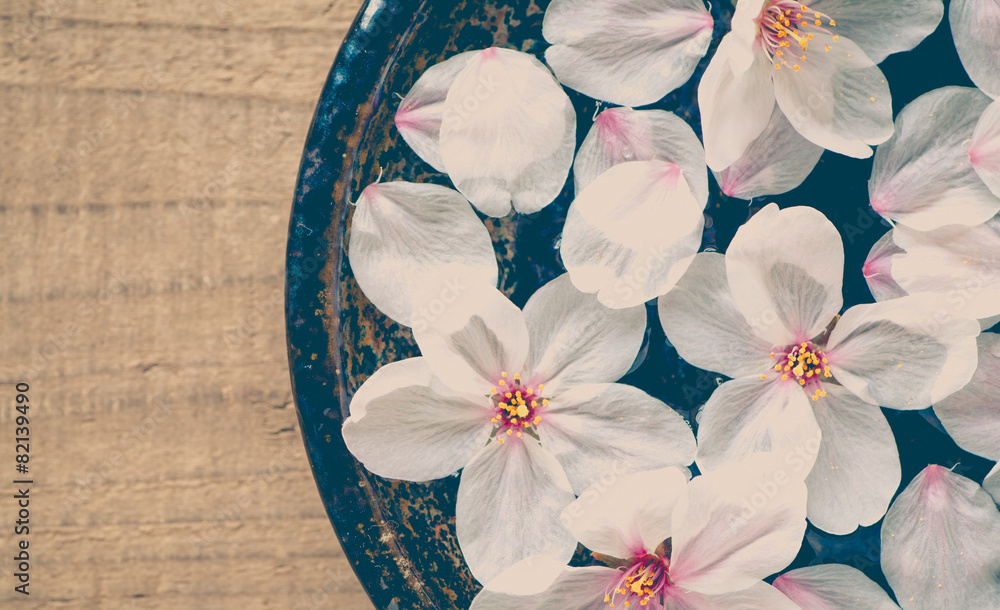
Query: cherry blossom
(628, 52)
(525, 403)
(816, 63)
(676, 544)
(766, 314)
(940, 549)
(498, 123)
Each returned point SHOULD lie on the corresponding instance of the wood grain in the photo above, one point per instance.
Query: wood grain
(149, 158)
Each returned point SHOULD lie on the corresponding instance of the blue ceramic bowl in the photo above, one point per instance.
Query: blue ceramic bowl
(400, 537)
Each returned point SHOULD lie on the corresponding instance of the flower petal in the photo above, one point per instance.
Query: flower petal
(748, 416)
(961, 263)
(972, 415)
(508, 506)
(737, 524)
(866, 23)
(477, 335)
(974, 27)
(757, 596)
(857, 471)
(940, 544)
(575, 589)
(785, 269)
(777, 161)
(596, 430)
(629, 515)
(984, 149)
(508, 133)
(735, 101)
(402, 233)
(528, 576)
(701, 320)
(833, 587)
(418, 117)
(622, 134)
(992, 483)
(574, 339)
(627, 52)
(631, 234)
(837, 99)
(405, 424)
(904, 354)
(878, 269)
(922, 176)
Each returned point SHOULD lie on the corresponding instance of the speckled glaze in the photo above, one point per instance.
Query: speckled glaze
(399, 536)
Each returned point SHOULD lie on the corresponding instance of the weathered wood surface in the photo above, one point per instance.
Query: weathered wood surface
(149, 153)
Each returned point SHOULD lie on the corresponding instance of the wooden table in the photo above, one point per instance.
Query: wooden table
(149, 157)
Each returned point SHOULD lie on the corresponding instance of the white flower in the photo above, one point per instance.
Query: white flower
(628, 52)
(959, 288)
(817, 63)
(524, 402)
(972, 415)
(638, 216)
(940, 550)
(778, 160)
(926, 175)
(975, 26)
(763, 314)
(404, 235)
(706, 543)
(992, 483)
(961, 263)
(498, 123)
(984, 149)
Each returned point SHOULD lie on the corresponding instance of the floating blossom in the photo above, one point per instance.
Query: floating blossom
(925, 176)
(878, 273)
(498, 123)
(960, 263)
(522, 401)
(984, 149)
(404, 234)
(817, 63)
(632, 232)
(972, 415)
(418, 117)
(831, 586)
(992, 483)
(620, 135)
(940, 549)
(766, 314)
(777, 161)
(628, 52)
(678, 544)
(975, 27)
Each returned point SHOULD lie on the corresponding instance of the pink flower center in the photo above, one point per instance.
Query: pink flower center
(785, 29)
(806, 364)
(644, 580)
(517, 406)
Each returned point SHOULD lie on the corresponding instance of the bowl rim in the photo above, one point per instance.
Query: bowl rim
(313, 262)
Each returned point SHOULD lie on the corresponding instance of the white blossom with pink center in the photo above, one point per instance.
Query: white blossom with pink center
(526, 403)
(766, 314)
(816, 63)
(676, 545)
(940, 549)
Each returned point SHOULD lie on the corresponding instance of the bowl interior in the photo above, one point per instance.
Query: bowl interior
(400, 536)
